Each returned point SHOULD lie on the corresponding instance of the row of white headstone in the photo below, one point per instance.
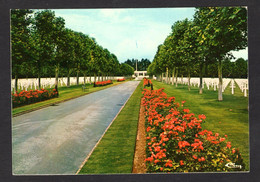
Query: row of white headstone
(213, 83)
(243, 85)
(32, 83)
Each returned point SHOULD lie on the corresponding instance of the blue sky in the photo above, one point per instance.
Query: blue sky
(128, 33)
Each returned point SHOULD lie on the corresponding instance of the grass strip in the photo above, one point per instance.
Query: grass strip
(115, 152)
(229, 116)
(65, 93)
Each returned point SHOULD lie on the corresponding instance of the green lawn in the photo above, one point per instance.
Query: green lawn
(65, 93)
(229, 116)
(115, 152)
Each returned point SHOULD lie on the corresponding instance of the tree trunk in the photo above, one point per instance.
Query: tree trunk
(173, 72)
(220, 98)
(162, 78)
(201, 74)
(84, 74)
(95, 76)
(188, 78)
(39, 80)
(57, 78)
(167, 75)
(176, 84)
(16, 83)
(68, 79)
(78, 77)
(90, 78)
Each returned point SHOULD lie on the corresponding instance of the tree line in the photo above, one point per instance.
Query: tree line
(203, 44)
(142, 64)
(41, 46)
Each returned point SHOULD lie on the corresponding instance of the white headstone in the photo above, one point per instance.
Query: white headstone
(245, 95)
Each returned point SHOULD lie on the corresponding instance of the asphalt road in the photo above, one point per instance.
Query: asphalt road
(57, 139)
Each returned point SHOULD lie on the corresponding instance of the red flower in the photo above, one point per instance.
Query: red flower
(186, 110)
(229, 145)
(202, 116)
(183, 144)
(149, 159)
(181, 162)
(222, 139)
(169, 163)
(233, 151)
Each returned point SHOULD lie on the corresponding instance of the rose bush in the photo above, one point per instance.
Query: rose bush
(32, 96)
(103, 83)
(121, 80)
(176, 142)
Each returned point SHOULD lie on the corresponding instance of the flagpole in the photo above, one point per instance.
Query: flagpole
(136, 51)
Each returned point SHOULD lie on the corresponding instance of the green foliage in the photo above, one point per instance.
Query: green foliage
(20, 42)
(43, 47)
(210, 37)
(222, 29)
(203, 42)
(126, 70)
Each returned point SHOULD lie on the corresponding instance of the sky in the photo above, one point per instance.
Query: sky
(128, 33)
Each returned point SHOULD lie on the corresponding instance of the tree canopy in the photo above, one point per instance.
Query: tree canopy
(203, 45)
(43, 47)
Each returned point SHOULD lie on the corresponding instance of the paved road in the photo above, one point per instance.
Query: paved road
(57, 139)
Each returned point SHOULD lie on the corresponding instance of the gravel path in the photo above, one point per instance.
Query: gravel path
(56, 139)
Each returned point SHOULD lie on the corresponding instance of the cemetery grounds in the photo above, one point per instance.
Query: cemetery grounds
(115, 152)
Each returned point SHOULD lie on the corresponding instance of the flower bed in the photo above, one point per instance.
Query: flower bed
(121, 80)
(176, 142)
(32, 96)
(103, 83)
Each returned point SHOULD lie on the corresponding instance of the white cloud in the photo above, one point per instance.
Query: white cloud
(118, 30)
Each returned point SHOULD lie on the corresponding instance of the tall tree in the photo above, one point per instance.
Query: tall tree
(58, 37)
(189, 45)
(224, 29)
(44, 25)
(20, 44)
(69, 53)
(85, 63)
